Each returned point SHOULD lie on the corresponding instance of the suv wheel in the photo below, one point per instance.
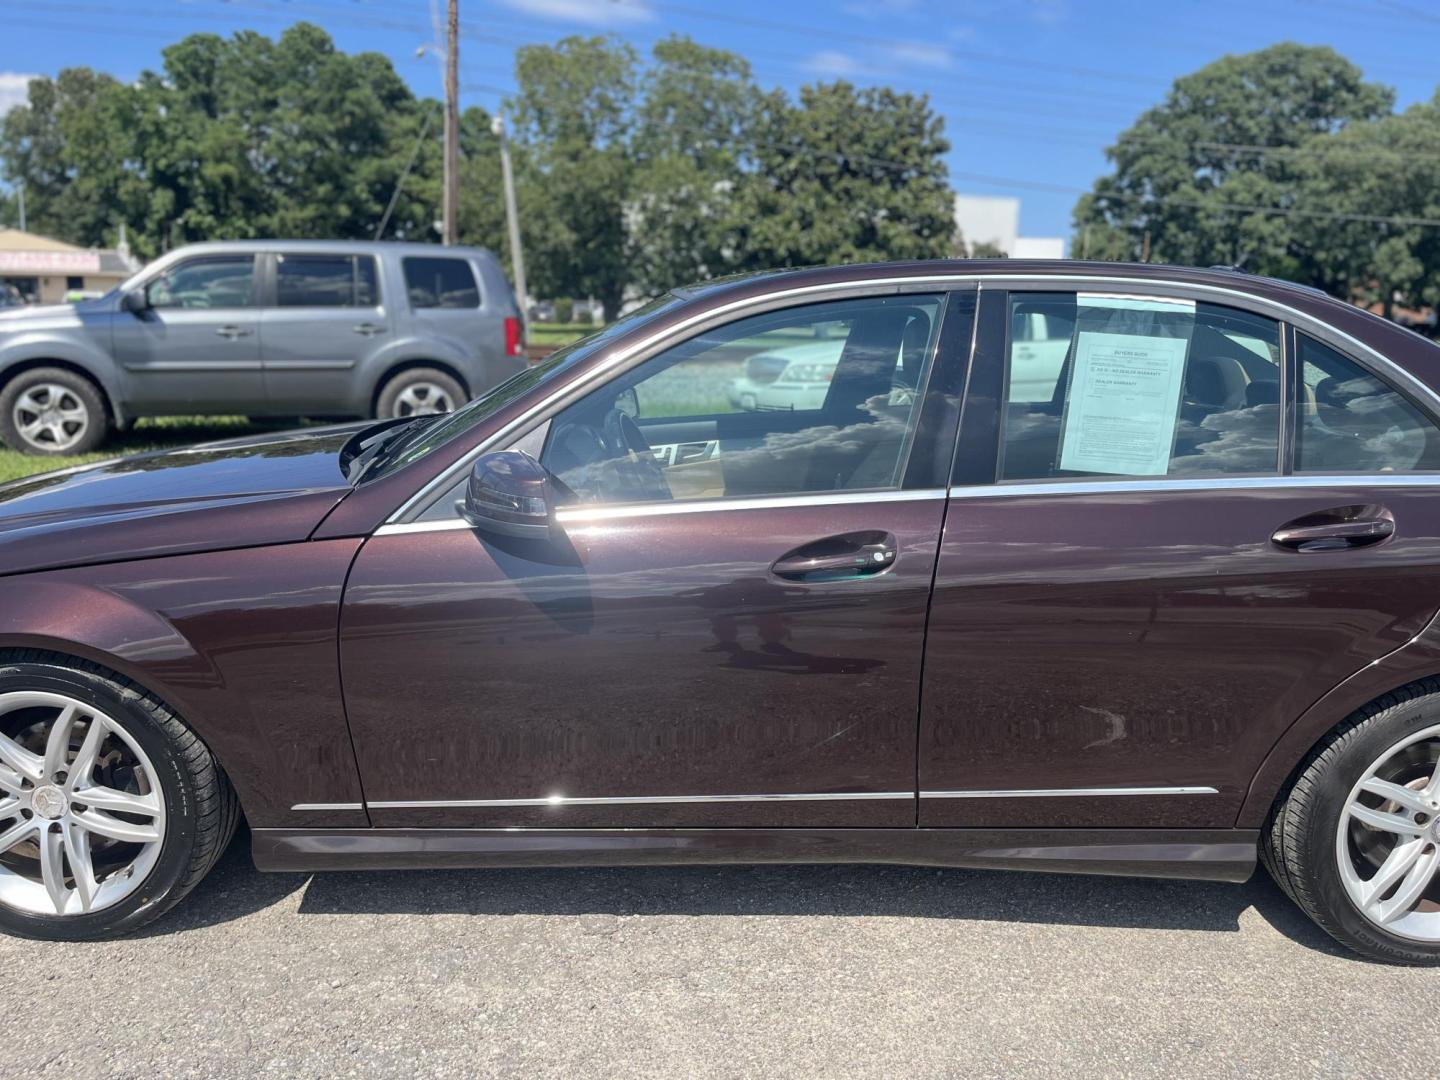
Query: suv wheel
(1356, 841)
(111, 810)
(419, 391)
(52, 411)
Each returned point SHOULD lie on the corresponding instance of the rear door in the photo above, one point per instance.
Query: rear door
(731, 638)
(1150, 568)
(197, 346)
(323, 315)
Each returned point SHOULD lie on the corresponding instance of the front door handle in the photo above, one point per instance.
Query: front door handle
(838, 558)
(1339, 529)
(232, 332)
(368, 329)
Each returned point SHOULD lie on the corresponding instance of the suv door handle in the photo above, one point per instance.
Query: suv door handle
(1346, 527)
(838, 558)
(232, 332)
(369, 329)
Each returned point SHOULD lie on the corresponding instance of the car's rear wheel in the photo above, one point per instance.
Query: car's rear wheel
(111, 810)
(51, 412)
(420, 391)
(1356, 840)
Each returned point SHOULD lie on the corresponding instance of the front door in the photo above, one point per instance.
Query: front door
(196, 348)
(1145, 590)
(729, 632)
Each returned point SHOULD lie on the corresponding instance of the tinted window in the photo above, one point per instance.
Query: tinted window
(1350, 421)
(220, 282)
(1128, 386)
(325, 281)
(441, 283)
(819, 398)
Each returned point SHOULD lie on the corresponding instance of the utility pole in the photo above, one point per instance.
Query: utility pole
(512, 215)
(21, 193)
(451, 197)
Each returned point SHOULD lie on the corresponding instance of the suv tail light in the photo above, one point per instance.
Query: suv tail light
(514, 344)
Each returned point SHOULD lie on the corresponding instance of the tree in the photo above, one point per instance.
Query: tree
(847, 176)
(237, 137)
(1196, 177)
(691, 145)
(573, 117)
(1367, 173)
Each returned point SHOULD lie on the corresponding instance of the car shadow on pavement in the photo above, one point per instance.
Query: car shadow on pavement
(236, 889)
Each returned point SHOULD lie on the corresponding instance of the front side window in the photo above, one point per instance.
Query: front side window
(325, 281)
(819, 398)
(440, 283)
(1347, 420)
(220, 282)
(1102, 385)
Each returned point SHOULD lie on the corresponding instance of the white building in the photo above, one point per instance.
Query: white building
(995, 220)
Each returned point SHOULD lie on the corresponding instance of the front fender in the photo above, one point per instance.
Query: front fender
(240, 644)
(29, 348)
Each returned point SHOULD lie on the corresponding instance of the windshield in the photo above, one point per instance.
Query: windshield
(464, 419)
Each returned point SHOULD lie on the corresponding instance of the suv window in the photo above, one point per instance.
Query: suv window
(1102, 385)
(818, 398)
(440, 283)
(1349, 421)
(221, 281)
(325, 281)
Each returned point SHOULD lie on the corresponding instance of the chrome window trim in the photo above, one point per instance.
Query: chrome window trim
(648, 346)
(1049, 282)
(329, 806)
(1217, 483)
(587, 514)
(639, 800)
(1062, 793)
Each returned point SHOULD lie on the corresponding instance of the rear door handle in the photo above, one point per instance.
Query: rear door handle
(369, 329)
(837, 558)
(232, 332)
(1345, 528)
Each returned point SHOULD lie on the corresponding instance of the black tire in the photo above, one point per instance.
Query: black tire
(79, 393)
(200, 805)
(391, 402)
(1297, 845)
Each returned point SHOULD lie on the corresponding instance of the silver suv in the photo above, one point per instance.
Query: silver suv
(261, 328)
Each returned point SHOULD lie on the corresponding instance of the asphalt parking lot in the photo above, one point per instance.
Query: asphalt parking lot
(729, 971)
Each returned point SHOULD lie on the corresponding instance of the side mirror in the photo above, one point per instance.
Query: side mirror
(135, 302)
(510, 493)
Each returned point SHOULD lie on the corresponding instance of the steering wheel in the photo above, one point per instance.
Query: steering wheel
(623, 434)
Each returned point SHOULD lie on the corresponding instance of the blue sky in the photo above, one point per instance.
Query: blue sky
(1031, 90)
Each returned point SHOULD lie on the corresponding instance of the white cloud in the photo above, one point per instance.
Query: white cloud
(591, 12)
(832, 63)
(12, 89)
(918, 52)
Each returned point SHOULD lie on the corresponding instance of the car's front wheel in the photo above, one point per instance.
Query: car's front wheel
(111, 810)
(52, 412)
(1356, 840)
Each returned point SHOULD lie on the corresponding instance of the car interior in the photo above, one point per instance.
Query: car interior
(611, 448)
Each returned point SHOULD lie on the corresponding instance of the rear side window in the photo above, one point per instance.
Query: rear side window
(1101, 385)
(1349, 421)
(440, 283)
(325, 281)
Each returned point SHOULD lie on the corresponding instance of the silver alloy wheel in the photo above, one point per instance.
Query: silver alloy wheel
(1388, 841)
(82, 816)
(51, 416)
(423, 399)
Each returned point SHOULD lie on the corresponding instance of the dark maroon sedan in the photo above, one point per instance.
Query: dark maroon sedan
(1049, 566)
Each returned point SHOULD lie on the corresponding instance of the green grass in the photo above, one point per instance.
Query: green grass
(149, 434)
(557, 334)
